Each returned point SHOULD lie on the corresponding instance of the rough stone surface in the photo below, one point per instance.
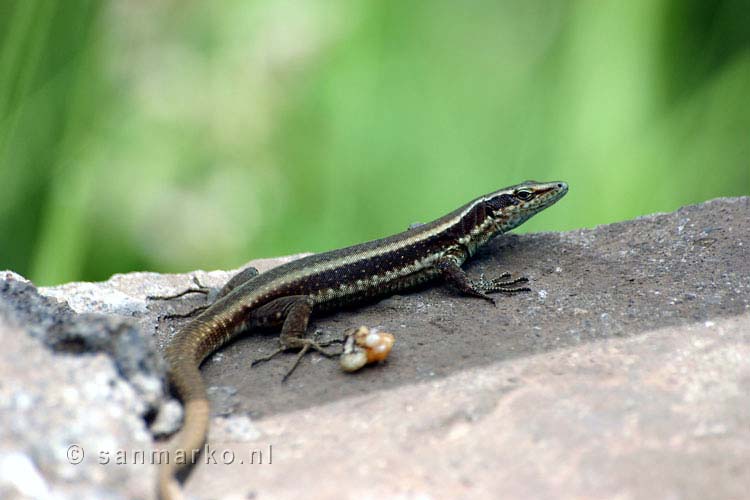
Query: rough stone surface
(64, 331)
(664, 414)
(52, 406)
(625, 373)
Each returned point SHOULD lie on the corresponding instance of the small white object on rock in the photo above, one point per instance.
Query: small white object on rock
(363, 346)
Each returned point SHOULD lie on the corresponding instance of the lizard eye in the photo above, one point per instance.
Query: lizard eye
(524, 194)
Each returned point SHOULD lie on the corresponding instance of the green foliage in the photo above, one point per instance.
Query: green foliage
(173, 135)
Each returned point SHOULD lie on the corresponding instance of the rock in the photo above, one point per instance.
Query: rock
(62, 330)
(61, 416)
(663, 414)
(626, 372)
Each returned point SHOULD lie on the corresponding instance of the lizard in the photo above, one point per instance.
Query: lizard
(287, 295)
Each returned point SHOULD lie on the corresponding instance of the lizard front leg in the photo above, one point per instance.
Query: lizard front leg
(450, 270)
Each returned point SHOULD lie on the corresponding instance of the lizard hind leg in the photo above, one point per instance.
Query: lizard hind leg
(201, 289)
(295, 312)
(211, 294)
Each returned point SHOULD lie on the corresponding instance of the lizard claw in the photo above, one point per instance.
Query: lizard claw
(304, 346)
(308, 345)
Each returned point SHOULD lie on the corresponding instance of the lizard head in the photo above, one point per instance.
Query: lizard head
(512, 206)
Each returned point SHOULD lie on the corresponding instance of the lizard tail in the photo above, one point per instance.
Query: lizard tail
(184, 356)
(184, 449)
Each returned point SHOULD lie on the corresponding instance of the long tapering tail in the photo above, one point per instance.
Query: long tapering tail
(184, 356)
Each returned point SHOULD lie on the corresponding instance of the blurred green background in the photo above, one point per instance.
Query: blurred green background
(175, 135)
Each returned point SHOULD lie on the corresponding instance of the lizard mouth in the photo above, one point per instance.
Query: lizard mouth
(554, 191)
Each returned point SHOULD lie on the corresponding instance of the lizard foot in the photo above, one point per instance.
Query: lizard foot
(305, 346)
(501, 284)
(202, 289)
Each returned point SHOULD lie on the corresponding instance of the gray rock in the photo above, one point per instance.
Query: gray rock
(626, 372)
(62, 330)
(61, 417)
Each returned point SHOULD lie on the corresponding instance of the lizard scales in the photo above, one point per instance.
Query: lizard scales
(288, 294)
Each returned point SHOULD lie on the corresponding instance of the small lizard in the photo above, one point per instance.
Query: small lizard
(287, 295)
